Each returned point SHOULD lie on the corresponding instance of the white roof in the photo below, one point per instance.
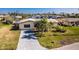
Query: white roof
(2, 16)
(33, 20)
(18, 16)
(25, 20)
(52, 20)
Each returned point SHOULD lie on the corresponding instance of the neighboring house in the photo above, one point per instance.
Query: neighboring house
(70, 22)
(17, 17)
(54, 21)
(2, 16)
(7, 21)
(30, 23)
(3, 19)
(54, 17)
(37, 17)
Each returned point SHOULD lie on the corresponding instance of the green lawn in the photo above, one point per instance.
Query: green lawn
(57, 39)
(8, 38)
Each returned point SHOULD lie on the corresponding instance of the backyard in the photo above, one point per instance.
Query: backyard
(57, 39)
(8, 38)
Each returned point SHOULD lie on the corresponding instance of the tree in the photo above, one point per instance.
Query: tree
(49, 26)
(41, 26)
(68, 15)
(76, 15)
(62, 14)
(60, 29)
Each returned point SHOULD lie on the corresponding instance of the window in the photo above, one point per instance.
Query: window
(26, 25)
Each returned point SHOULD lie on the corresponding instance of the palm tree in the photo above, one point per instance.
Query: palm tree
(41, 26)
(50, 26)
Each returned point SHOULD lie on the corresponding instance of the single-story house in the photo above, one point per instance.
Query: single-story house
(55, 17)
(30, 23)
(3, 16)
(17, 17)
(70, 21)
(37, 17)
(26, 24)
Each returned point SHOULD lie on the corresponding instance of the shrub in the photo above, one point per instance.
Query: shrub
(60, 29)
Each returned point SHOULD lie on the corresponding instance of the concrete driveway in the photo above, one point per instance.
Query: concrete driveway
(28, 41)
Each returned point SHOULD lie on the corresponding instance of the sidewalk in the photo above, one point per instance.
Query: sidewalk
(74, 46)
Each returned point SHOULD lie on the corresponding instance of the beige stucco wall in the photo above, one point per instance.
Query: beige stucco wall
(21, 25)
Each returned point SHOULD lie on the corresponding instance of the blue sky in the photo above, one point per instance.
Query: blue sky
(39, 10)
